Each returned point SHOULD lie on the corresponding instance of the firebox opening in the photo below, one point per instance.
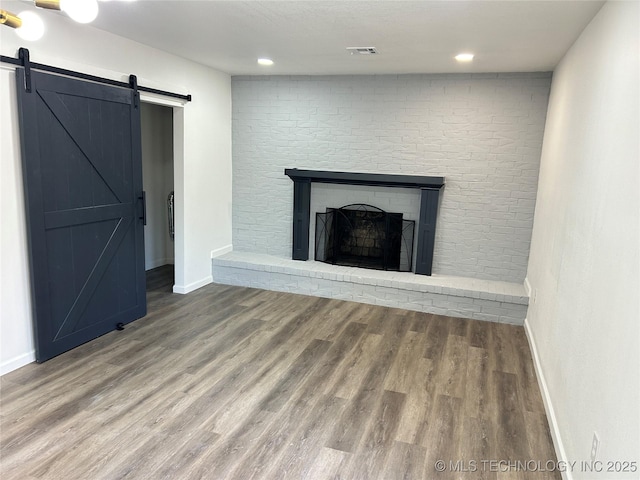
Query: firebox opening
(365, 236)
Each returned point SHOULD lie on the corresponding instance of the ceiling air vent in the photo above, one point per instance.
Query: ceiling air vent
(362, 50)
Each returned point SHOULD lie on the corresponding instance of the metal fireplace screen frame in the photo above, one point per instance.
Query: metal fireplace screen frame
(361, 235)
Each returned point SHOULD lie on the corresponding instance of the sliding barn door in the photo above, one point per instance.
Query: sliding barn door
(82, 172)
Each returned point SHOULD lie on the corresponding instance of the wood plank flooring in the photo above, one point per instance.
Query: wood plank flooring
(239, 383)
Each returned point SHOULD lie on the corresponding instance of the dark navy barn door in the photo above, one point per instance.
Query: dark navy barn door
(82, 173)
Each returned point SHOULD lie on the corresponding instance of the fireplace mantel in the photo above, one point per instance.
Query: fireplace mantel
(369, 179)
(429, 187)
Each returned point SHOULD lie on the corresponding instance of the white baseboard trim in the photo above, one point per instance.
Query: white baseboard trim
(527, 286)
(221, 251)
(548, 405)
(184, 289)
(17, 362)
(159, 262)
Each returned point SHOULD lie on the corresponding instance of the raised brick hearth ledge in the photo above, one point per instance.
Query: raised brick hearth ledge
(443, 295)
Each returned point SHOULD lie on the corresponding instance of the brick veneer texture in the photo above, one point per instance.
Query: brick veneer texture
(482, 132)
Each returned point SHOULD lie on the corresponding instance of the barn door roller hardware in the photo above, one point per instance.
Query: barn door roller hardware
(24, 61)
(23, 55)
(133, 84)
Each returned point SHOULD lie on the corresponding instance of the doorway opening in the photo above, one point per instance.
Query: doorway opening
(158, 183)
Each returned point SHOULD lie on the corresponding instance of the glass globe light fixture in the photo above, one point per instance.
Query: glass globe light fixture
(32, 27)
(82, 11)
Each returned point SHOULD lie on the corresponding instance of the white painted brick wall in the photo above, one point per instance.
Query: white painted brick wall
(482, 132)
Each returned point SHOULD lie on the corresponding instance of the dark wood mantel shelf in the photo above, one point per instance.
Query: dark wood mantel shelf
(430, 198)
(370, 179)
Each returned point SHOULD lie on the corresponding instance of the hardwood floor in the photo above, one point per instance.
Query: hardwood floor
(160, 281)
(238, 383)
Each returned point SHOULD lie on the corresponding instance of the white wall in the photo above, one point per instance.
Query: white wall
(203, 158)
(157, 182)
(482, 132)
(584, 317)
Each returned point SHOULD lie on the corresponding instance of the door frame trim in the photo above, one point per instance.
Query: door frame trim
(178, 185)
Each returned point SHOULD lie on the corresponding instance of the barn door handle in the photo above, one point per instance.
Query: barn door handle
(143, 197)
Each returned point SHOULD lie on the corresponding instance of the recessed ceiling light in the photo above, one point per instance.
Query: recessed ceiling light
(265, 61)
(464, 57)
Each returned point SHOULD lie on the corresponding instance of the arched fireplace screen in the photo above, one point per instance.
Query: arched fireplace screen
(360, 235)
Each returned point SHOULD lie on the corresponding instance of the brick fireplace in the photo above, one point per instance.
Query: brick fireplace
(440, 294)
